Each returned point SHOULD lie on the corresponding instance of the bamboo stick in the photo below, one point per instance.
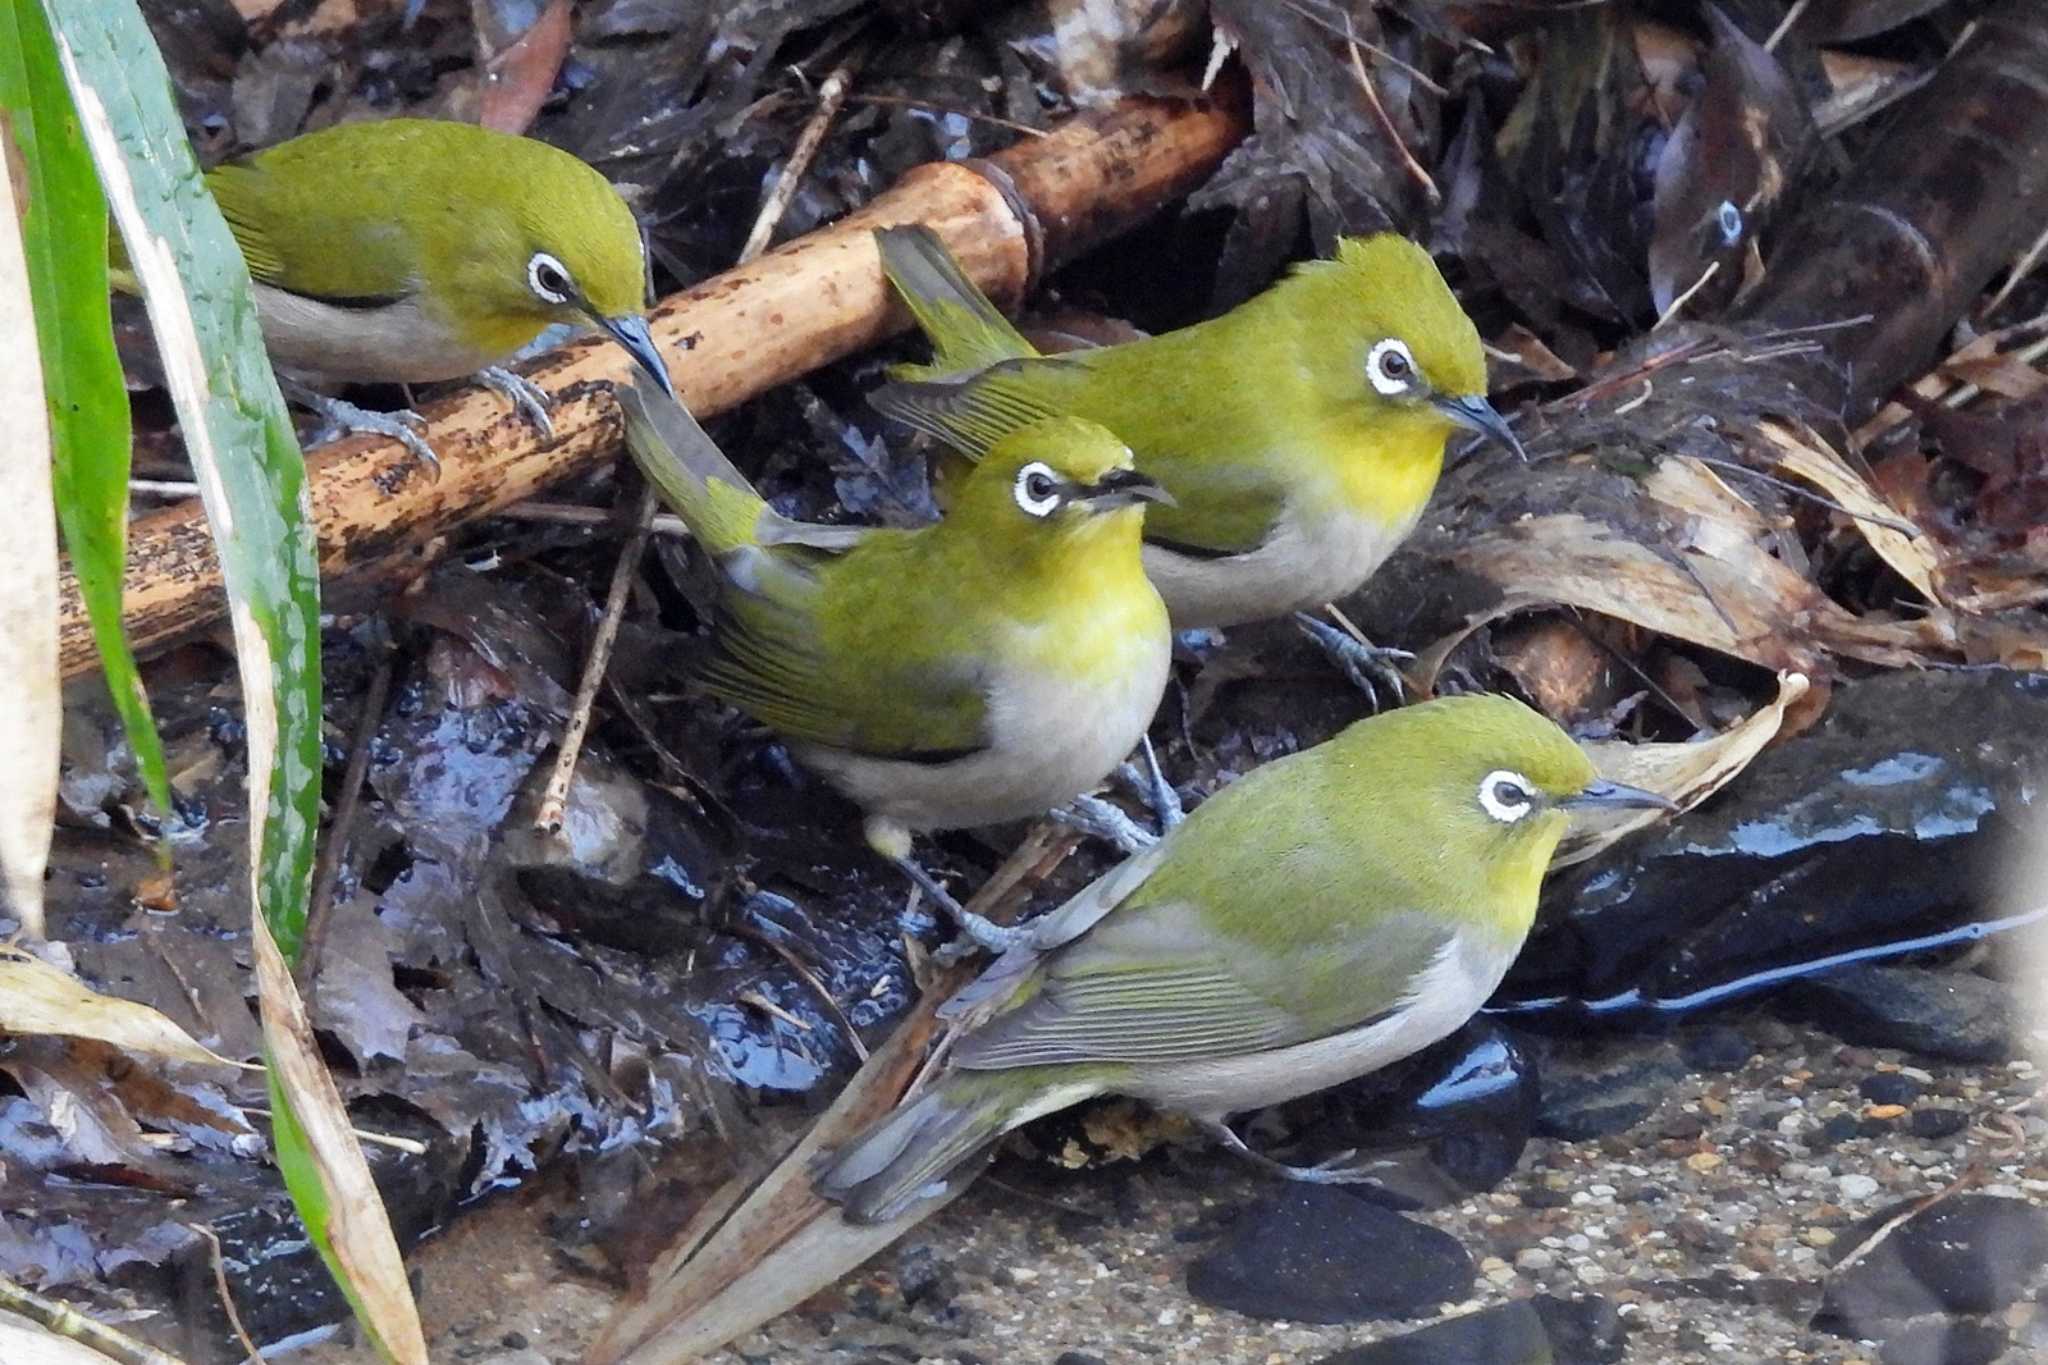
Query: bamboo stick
(735, 335)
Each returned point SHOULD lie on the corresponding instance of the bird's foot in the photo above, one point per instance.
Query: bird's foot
(1335, 1170)
(1149, 785)
(978, 933)
(339, 418)
(1095, 816)
(1361, 660)
(529, 399)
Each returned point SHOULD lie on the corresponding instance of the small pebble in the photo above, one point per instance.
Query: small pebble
(1817, 1237)
(1890, 1087)
(1937, 1121)
(1855, 1187)
(1703, 1161)
(1535, 1258)
(1883, 1113)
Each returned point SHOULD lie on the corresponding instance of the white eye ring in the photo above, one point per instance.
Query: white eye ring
(548, 278)
(1506, 795)
(1037, 489)
(1391, 367)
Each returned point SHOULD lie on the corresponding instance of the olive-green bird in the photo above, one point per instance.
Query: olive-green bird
(985, 668)
(1320, 918)
(1300, 434)
(412, 250)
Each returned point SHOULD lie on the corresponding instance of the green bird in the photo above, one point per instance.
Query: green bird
(1320, 918)
(1300, 434)
(412, 250)
(984, 668)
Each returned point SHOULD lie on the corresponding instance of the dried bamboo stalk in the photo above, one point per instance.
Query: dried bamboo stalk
(1954, 193)
(803, 305)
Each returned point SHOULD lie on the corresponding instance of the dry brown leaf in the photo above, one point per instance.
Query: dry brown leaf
(33, 718)
(1912, 558)
(37, 999)
(1686, 774)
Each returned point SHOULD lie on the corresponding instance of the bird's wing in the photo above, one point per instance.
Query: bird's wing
(321, 236)
(1156, 983)
(972, 411)
(1055, 929)
(849, 649)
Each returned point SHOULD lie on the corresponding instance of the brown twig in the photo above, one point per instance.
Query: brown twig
(910, 102)
(1415, 168)
(831, 95)
(548, 819)
(327, 867)
(65, 1321)
(227, 1299)
(575, 514)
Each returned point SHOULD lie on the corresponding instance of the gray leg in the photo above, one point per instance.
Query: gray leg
(1361, 662)
(403, 426)
(1093, 815)
(529, 398)
(1332, 1171)
(976, 931)
(1153, 788)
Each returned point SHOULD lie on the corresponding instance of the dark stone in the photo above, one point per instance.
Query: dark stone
(1973, 1253)
(1955, 1015)
(1835, 1132)
(1508, 1335)
(1079, 1358)
(1886, 822)
(1716, 1047)
(1937, 1121)
(1543, 1197)
(1587, 1098)
(514, 1341)
(1583, 1330)
(1889, 1087)
(1319, 1253)
(1944, 1341)
(1466, 1103)
(924, 1278)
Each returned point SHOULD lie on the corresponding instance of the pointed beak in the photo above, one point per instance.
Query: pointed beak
(1617, 796)
(1124, 487)
(630, 331)
(1474, 413)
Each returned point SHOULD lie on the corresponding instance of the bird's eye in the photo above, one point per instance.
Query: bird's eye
(1037, 489)
(1506, 796)
(548, 278)
(1728, 219)
(1391, 368)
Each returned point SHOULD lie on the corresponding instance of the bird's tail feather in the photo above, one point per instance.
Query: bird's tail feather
(967, 331)
(913, 1154)
(695, 478)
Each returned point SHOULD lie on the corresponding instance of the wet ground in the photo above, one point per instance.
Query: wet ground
(1701, 1232)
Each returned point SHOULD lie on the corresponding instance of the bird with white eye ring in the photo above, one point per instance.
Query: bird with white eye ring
(412, 251)
(988, 667)
(1321, 917)
(1301, 433)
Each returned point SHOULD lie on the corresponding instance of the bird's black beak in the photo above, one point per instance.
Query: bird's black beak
(1123, 487)
(1617, 796)
(630, 331)
(1474, 413)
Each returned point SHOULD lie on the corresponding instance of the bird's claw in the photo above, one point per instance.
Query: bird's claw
(1095, 816)
(339, 417)
(529, 399)
(978, 933)
(1361, 660)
